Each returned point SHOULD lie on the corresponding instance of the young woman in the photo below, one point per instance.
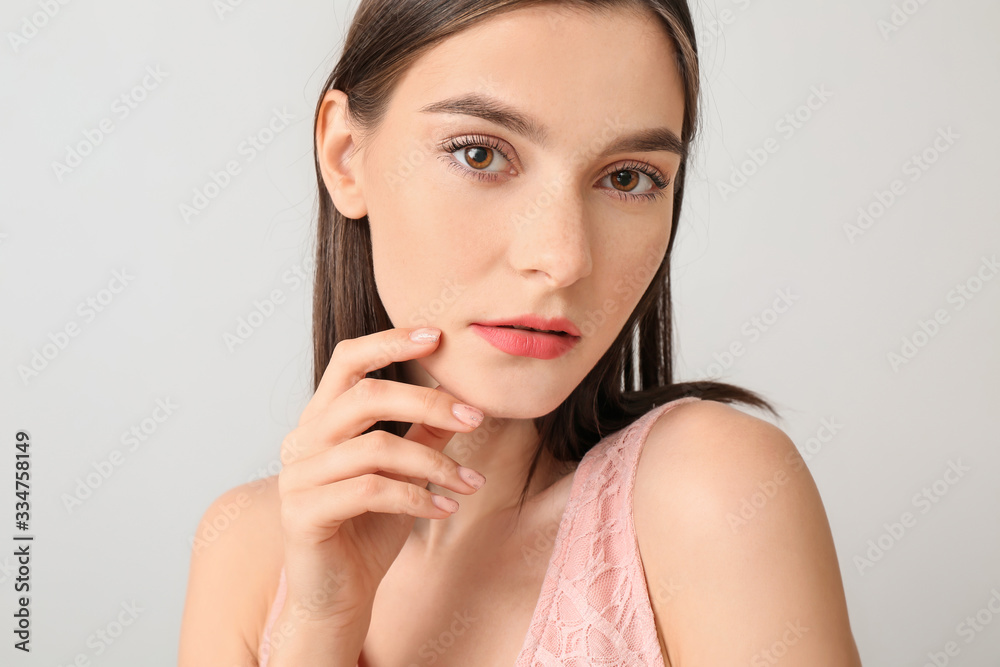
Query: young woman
(487, 167)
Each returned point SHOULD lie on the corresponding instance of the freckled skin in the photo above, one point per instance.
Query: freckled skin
(549, 233)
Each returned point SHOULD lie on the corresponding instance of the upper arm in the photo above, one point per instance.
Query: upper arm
(235, 564)
(736, 545)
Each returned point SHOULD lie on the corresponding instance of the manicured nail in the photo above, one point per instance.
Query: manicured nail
(445, 503)
(467, 414)
(471, 477)
(425, 335)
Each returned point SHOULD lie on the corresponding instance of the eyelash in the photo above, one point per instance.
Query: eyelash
(482, 141)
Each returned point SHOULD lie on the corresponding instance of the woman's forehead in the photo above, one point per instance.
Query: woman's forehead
(581, 69)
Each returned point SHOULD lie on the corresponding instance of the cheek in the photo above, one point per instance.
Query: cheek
(425, 245)
(414, 213)
(629, 271)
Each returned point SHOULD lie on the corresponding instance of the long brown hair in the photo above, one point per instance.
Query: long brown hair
(634, 375)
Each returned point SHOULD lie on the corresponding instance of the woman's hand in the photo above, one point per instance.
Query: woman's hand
(349, 498)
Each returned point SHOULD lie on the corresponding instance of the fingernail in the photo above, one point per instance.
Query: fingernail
(467, 414)
(471, 477)
(445, 503)
(425, 335)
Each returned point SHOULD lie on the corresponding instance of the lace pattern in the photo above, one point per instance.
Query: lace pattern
(593, 608)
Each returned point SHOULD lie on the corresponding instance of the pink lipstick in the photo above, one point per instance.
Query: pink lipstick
(530, 335)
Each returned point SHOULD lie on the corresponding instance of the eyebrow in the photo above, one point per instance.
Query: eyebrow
(495, 111)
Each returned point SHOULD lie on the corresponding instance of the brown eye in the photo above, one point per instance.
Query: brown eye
(626, 179)
(635, 181)
(479, 156)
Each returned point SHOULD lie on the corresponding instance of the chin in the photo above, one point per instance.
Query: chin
(516, 398)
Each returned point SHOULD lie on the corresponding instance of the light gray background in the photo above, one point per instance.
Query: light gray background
(162, 336)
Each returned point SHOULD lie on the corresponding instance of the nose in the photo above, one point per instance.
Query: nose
(550, 237)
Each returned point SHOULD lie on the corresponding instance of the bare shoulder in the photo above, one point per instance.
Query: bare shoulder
(718, 436)
(236, 559)
(734, 538)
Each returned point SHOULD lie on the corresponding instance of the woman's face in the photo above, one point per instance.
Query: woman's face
(519, 170)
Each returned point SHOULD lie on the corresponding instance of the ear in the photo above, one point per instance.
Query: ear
(339, 162)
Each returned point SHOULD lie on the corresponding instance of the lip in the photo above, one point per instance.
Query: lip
(523, 343)
(537, 322)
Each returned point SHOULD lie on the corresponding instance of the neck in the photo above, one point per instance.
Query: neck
(502, 450)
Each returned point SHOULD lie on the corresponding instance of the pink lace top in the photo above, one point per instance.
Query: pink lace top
(594, 608)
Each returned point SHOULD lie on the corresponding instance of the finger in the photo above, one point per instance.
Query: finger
(379, 452)
(316, 511)
(429, 435)
(371, 400)
(354, 358)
